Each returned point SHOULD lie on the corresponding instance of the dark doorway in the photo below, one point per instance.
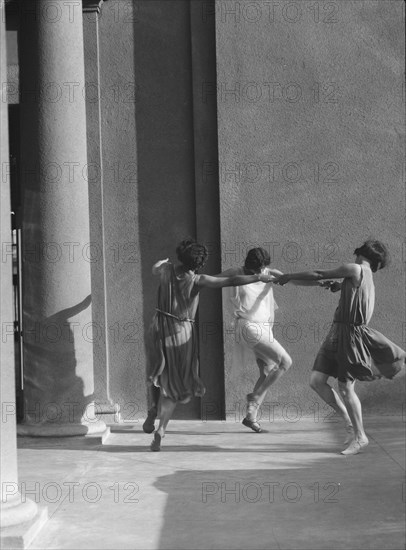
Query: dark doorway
(174, 51)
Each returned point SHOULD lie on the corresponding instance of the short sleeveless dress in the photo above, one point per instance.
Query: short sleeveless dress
(352, 350)
(172, 343)
(254, 315)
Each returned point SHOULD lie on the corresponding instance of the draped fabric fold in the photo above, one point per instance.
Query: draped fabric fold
(363, 353)
(172, 344)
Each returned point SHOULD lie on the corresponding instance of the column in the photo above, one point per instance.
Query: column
(15, 510)
(57, 252)
(103, 401)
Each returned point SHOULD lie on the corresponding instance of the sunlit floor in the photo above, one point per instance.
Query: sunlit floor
(218, 485)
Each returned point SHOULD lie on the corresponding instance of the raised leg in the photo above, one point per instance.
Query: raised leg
(270, 373)
(274, 373)
(262, 373)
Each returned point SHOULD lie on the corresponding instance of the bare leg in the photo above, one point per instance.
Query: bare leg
(166, 411)
(255, 399)
(167, 406)
(153, 400)
(250, 419)
(273, 361)
(274, 373)
(318, 382)
(253, 404)
(354, 408)
(262, 373)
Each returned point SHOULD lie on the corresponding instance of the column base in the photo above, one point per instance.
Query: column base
(61, 430)
(23, 534)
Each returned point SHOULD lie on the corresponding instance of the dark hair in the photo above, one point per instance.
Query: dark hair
(192, 254)
(376, 252)
(256, 259)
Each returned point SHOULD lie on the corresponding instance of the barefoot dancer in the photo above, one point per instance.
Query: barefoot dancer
(172, 344)
(353, 351)
(254, 311)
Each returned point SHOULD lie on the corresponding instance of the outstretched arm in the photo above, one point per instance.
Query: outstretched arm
(227, 272)
(209, 281)
(278, 274)
(344, 271)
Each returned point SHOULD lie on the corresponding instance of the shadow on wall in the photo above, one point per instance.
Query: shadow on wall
(50, 347)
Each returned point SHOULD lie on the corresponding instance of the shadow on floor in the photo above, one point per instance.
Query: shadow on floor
(308, 508)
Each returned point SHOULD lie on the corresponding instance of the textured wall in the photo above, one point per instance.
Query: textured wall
(311, 139)
(148, 161)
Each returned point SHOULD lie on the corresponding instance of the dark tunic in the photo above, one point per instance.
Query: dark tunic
(352, 350)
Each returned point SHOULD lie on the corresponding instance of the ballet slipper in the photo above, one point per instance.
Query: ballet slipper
(355, 447)
(148, 425)
(254, 425)
(156, 442)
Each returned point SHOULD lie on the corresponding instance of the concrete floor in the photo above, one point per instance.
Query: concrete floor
(218, 485)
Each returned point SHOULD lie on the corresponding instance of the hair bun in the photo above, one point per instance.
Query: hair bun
(192, 254)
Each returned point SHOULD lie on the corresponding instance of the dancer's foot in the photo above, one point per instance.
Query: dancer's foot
(355, 446)
(254, 425)
(350, 434)
(252, 408)
(156, 442)
(148, 425)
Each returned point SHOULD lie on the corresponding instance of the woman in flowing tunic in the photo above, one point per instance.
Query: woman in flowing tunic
(172, 351)
(352, 350)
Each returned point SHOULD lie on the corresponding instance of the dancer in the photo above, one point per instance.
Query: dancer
(254, 312)
(172, 344)
(352, 350)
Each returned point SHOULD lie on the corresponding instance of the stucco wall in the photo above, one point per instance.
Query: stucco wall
(311, 140)
(147, 134)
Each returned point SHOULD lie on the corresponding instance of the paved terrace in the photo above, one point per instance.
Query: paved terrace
(218, 485)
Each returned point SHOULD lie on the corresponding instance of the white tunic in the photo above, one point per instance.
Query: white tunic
(254, 308)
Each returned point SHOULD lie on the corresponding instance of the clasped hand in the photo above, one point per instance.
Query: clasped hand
(282, 279)
(334, 286)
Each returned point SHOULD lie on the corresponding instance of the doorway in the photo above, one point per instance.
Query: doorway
(176, 143)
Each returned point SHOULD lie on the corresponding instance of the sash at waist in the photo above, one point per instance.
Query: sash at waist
(181, 319)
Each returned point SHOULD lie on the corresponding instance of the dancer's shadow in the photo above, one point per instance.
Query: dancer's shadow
(50, 368)
(222, 508)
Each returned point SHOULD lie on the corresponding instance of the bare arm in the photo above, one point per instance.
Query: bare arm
(278, 273)
(344, 271)
(227, 272)
(209, 281)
